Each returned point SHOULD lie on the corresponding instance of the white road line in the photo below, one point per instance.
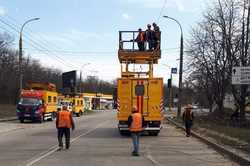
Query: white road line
(55, 147)
(150, 157)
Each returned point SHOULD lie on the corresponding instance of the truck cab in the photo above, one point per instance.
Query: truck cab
(30, 106)
(37, 103)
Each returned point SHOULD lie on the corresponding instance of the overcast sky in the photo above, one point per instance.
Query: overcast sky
(71, 33)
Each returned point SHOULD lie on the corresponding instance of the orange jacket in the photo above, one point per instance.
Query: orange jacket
(136, 125)
(64, 119)
(140, 37)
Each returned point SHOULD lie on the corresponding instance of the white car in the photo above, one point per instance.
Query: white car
(63, 103)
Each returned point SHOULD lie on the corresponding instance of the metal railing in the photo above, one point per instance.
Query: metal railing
(129, 37)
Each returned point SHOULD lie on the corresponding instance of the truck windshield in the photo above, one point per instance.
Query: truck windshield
(30, 101)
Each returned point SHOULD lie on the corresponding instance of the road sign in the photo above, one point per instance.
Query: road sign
(241, 75)
(174, 70)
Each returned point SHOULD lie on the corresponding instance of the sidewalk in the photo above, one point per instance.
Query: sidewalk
(236, 154)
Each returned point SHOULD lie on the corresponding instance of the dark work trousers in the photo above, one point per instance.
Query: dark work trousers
(188, 125)
(66, 132)
(150, 45)
(141, 46)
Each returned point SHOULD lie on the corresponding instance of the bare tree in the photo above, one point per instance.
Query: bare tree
(213, 47)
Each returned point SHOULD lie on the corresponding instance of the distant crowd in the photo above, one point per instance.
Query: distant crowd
(149, 39)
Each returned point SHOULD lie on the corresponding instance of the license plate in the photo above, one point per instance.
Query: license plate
(26, 115)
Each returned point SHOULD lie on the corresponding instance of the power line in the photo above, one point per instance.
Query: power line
(163, 7)
(36, 45)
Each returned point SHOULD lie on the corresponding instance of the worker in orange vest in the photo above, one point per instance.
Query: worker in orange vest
(135, 124)
(140, 39)
(188, 117)
(64, 122)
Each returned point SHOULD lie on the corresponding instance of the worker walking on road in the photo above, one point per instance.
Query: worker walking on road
(188, 117)
(135, 124)
(64, 122)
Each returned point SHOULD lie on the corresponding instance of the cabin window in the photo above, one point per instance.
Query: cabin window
(54, 99)
(139, 90)
(49, 99)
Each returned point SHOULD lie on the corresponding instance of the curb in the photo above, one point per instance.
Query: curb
(8, 119)
(242, 160)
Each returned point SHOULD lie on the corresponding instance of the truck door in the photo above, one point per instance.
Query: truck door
(140, 95)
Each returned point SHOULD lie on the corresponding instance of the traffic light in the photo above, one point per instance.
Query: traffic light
(169, 83)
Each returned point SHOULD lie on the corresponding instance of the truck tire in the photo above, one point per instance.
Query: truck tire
(21, 120)
(124, 133)
(52, 116)
(40, 120)
(78, 114)
(153, 133)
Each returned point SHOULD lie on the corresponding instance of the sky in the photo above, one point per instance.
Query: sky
(83, 34)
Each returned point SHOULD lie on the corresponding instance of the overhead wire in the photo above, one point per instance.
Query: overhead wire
(34, 44)
(59, 50)
(162, 9)
(41, 43)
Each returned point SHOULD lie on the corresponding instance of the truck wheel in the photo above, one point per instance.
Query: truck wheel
(21, 120)
(41, 119)
(153, 133)
(124, 133)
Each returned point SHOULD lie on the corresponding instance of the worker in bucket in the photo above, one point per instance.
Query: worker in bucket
(135, 124)
(64, 122)
(188, 117)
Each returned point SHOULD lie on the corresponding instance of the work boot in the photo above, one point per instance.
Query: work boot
(135, 153)
(60, 148)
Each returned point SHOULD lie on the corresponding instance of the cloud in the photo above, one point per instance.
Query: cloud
(126, 16)
(2, 11)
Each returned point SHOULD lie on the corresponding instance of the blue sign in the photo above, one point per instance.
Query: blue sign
(174, 70)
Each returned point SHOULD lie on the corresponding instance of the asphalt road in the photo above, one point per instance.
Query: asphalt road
(96, 142)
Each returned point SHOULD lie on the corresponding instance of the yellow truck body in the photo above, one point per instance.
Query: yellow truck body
(144, 93)
(78, 106)
(137, 85)
(50, 101)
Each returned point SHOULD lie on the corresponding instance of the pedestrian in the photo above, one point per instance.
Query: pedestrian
(135, 124)
(149, 34)
(140, 39)
(188, 117)
(64, 122)
(156, 36)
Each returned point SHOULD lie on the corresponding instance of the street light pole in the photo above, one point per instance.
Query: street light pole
(84, 65)
(181, 67)
(21, 54)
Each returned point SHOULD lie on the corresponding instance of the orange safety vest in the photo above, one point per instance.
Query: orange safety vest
(140, 37)
(64, 119)
(136, 124)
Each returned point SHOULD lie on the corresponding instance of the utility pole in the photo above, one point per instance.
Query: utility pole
(83, 66)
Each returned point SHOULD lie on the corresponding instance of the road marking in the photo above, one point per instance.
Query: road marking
(150, 157)
(55, 147)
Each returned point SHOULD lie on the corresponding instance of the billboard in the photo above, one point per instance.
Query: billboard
(69, 79)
